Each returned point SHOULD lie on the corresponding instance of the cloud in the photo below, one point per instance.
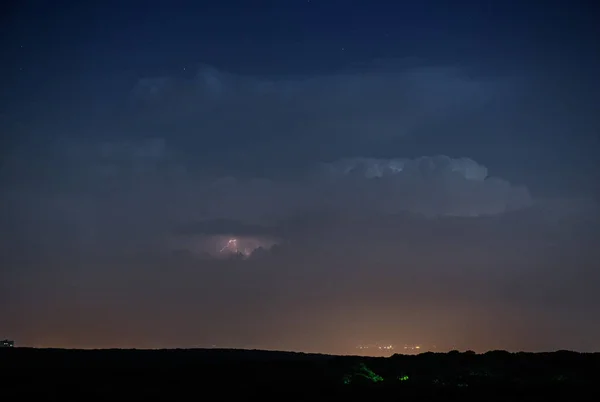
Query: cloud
(367, 104)
(223, 237)
(433, 186)
(359, 240)
(428, 185)
(113, 226)
(139, 194)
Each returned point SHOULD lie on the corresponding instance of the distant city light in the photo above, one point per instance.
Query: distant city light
(383, 348)
(412, 348)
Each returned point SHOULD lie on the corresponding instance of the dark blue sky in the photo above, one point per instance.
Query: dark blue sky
(87, 56)
(124, 121)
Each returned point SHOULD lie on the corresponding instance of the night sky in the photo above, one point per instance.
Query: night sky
(300, 175)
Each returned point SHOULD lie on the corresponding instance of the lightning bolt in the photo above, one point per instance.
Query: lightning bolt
(230, 243)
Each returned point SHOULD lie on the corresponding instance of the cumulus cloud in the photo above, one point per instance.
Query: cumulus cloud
(432, 186)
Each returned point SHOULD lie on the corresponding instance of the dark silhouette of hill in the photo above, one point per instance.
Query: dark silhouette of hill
(167, 374)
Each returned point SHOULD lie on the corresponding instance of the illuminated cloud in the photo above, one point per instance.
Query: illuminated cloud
(220, 246)
(222, 238)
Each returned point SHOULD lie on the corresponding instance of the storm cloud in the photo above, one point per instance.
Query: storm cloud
(129, 221)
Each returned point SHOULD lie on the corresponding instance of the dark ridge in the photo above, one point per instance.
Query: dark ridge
(171, 373)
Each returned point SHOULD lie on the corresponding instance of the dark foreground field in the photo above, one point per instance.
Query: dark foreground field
(225, 374)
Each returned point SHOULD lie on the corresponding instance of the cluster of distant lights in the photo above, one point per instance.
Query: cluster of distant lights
(383, 348)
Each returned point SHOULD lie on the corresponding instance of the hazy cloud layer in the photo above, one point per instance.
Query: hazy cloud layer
(355, 246)
(267, 122)
(143, 186)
